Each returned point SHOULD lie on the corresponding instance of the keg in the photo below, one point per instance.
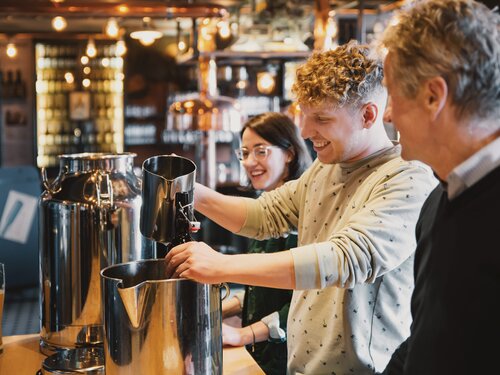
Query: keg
(157, 325)
(89, 219)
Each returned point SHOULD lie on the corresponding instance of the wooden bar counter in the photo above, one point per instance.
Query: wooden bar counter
(21, 356)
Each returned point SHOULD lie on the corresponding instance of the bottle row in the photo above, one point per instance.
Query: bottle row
(49, 142)
(60, 50)
(51, 87)
(60, 101)
(13, 87)
(71, 63)
(55, 127)
(65, 75)
(49, 157)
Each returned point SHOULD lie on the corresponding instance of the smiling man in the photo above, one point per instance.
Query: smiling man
(355, 210)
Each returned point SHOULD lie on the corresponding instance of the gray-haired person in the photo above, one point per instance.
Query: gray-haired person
(443, 77)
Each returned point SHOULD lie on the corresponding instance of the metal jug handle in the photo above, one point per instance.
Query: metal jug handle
(228, 290)
(54, 186)
(104, 190)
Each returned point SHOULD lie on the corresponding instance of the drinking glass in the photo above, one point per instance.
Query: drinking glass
(2, 296)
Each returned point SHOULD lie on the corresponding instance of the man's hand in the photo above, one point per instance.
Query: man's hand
(196, 261)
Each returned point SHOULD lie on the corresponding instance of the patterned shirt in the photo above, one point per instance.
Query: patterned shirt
(354, 262)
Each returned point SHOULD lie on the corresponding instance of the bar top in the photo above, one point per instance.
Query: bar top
(21, 356)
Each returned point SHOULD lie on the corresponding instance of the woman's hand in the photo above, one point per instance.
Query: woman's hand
(197, 261)
(232, 336)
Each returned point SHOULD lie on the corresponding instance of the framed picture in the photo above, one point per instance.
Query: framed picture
(79, 105)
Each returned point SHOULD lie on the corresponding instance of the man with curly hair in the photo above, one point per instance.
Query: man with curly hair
(355, 210)
(443, 76)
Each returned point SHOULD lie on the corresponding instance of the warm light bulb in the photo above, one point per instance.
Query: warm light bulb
(224, 30)
(11, 50)
(68, 76)
(146, 40)
(121, 48)
(84, 60)
(91, 51)
(59, 23)
(265, 82)
(112, 28)
(86, 82)
(105, 62)
(181, 46)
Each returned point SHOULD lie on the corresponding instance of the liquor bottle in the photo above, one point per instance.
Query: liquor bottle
(19, 90)
(2, 84)
(8, 86)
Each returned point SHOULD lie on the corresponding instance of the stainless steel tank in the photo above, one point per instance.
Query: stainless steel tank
(156, 325)
(89, 219)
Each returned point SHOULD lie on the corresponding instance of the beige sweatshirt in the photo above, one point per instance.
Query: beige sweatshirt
(354, 262)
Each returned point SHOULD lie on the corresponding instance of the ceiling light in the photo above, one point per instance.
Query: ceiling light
(91, 51)
(112, 30)
(148, 34)
(59, 23)
(11, 50)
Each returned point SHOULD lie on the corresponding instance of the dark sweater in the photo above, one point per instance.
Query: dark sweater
(456, 301)
(271, 355)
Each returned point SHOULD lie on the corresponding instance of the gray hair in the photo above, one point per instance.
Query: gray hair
(458, 40)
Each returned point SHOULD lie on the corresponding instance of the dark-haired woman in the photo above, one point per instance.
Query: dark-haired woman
(272, 152)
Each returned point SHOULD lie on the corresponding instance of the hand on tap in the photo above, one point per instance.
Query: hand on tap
(196, 261)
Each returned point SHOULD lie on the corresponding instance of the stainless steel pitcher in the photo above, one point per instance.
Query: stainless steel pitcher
(89, 219)
(156, 325)
(167, 197)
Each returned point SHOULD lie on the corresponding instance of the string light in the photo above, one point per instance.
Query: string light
(121, 48)
(91, 51)
(68, 76)
(112, 30)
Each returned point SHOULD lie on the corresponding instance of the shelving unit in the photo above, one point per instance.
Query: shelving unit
(79, 100)
(16, 114)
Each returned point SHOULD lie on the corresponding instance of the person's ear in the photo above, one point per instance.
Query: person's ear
(290, 154)
(370, 113)
(435, 95)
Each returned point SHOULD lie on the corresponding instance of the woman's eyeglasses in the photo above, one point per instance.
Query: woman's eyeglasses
(259, 152)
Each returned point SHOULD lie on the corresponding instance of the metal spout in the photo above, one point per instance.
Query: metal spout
(136, 300)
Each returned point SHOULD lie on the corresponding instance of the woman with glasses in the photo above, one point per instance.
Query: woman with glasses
(272, 152)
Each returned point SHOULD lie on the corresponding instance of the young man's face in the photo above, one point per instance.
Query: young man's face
(406, 116)
(336, 133)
